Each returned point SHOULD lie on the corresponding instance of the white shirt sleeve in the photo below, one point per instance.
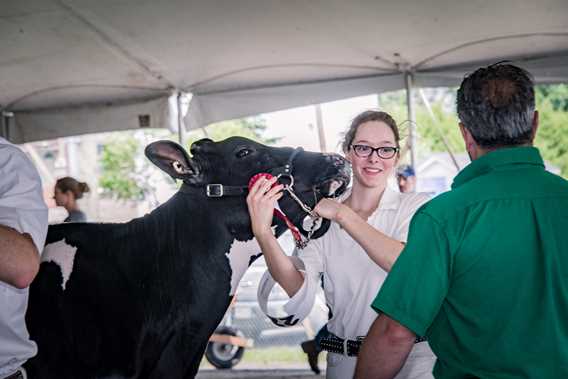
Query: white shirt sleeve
(410, 203)
(21, 197)
(309, 262)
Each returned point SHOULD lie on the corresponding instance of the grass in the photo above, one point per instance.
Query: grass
(280, 354)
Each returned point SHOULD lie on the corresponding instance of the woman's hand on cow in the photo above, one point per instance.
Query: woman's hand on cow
(330, 209)
(261, 201)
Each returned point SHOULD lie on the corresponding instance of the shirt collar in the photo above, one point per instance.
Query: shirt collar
(525, 155)
(390, 200)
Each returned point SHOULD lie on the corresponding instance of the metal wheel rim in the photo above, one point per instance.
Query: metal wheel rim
(225, 351)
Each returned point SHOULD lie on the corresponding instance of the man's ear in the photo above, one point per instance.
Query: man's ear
(534, 125)
(467, 137)
(463, 131)
(173, 160)
(473, 149)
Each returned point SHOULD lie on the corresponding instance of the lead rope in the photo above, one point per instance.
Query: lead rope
(300, 241)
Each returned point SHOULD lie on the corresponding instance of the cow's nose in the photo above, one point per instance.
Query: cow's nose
(336, 159)
(201, 146)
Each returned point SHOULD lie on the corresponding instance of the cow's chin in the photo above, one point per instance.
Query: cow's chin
(327, 187)
(332, 187)
(325, 224)
(281, 228)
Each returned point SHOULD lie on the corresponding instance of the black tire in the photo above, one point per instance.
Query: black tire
(222, 355)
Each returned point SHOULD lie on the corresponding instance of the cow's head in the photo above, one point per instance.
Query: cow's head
(234, 161)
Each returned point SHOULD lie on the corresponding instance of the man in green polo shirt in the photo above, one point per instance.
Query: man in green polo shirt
(484, 274)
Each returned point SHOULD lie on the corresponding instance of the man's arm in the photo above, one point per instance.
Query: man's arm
(385, 349)
(19, 258)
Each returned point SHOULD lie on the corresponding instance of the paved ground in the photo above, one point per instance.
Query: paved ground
(275, 373)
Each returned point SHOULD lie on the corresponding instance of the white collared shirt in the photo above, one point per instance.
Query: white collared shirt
(23, 209)
(351, 279)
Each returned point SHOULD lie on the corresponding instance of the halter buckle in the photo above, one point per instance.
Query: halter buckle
(214, 190)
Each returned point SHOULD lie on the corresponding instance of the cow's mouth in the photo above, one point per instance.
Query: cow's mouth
(332, 187)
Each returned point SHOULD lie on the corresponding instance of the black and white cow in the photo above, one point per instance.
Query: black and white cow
(141, 299)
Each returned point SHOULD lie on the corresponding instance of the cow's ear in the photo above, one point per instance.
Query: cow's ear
(172, 159)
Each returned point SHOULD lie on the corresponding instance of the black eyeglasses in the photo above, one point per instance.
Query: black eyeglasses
(385, 152)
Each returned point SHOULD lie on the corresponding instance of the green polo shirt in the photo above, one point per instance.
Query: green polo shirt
(484, 274)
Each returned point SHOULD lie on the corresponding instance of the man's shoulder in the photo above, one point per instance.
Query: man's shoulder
(11, 155)
(441, 206)
(556, 182)
(482, 189)
(8, 148)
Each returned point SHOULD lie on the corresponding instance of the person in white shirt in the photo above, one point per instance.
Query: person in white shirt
(369, 227)
(23, 228)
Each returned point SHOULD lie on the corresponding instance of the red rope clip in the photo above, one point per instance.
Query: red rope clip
(278, 213)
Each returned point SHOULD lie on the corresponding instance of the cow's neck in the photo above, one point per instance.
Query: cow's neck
(242, 254)
(207, 227)
(208, 221)
(181, 222)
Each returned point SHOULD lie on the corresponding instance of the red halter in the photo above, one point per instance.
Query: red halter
(277, 212)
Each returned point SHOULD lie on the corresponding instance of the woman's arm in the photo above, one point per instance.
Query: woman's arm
(261, 201)
(382, 249)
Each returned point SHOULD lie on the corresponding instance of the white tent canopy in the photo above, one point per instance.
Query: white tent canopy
(70, 67)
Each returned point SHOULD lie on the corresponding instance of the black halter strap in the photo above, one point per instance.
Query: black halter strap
(288, 167)
(221, 190)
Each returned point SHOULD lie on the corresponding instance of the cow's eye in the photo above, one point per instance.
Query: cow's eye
(243, 152)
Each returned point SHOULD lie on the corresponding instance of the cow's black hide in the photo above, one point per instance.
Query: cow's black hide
(140, 299)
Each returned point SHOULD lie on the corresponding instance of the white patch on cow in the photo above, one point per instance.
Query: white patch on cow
(239, 256)
(62, 255)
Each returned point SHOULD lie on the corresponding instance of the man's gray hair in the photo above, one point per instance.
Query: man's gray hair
(496, 105)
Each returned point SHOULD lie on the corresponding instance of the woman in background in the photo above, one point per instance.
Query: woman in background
(67, 191)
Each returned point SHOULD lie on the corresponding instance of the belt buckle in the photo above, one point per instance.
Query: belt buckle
(355, 347)
(214, 190)
(345, 347)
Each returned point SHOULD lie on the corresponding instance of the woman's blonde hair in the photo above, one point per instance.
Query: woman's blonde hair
(364, 117)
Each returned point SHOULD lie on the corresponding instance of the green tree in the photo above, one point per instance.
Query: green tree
(552, 134)
(252, 128)
(551, 139)
(429, 131)
(433, 131)
(118, 168)
(556, 94)
(126, 175)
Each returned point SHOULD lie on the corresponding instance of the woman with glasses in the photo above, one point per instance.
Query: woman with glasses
(368, 231)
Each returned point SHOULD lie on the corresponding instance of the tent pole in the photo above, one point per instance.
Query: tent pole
(408, 80)
(6, 118)
(321, 132)
(3, 131)
(181, 129)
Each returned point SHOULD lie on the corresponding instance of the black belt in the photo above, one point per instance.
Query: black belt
(16, 375)
(337, 345)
